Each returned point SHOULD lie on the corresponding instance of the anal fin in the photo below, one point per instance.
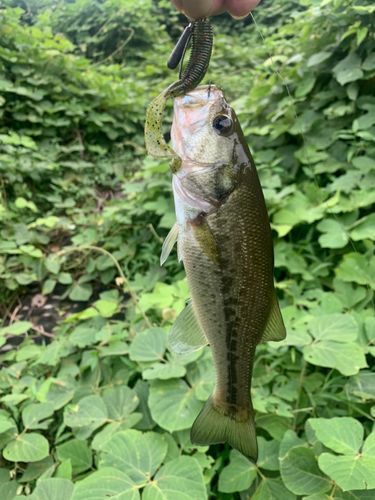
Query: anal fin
(186, 335)
(275, 329)
(168, 244)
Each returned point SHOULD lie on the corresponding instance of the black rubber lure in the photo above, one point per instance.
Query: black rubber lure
(201, 48)
(179, 51)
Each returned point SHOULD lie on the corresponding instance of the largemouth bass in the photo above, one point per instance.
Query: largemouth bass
(224, 241)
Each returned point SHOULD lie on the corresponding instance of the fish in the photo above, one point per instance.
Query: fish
(224, 241)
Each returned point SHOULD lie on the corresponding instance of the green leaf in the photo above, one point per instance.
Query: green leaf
(268, 454)
(335, 237)
(137, 455)
(87, 416)
(238, 475)
(352, 472)
(142, 390)
(78, 452)
(272, 490)
(348, 295)
(58, 392)
(370, 329)
(173, 404)
(36, 469)
(17, 328)
(48, 286)
(106, 309)
(369, 62)
(6, 423)
(300, 472)
(23, 203)
(363, 161)
(165, 371)
(318, 496)
(305, 85)
(52, 265)
(81, 293)
(337, 327)
(149, 345)
(348, 358)
(33, 415)
(27, 448)
(318, 58)
(120, 402)
(102, 437)
(343, 435)
(276, 426)
(201, 376)
(348, 69)
(64, 470)
(355, 267)
(364, 229)
(181, 478)
(8, 491)
(362, 385)
(108, 482)
(51, 489)
(290, 440)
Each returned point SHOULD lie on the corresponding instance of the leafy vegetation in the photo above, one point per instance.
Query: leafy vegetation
(101, 406)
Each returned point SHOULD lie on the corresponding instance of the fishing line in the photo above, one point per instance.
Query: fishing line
(305, 147)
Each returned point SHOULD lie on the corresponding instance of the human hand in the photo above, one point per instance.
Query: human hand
(196, 9)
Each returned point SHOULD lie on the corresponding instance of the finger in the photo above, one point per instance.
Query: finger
(178, 4)
(240, 8)
(196, 9)
(218, 7)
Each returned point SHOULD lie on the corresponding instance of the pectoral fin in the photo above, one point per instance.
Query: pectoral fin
(205, 239)
(275, 329)
(186, 335)
(168, 244)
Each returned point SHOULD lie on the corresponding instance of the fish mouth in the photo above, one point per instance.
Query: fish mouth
(200, 97)
(192, 134)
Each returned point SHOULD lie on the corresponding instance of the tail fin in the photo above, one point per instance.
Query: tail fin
(212, 426)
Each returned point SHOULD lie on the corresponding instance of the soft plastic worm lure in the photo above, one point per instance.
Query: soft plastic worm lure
(191, 77)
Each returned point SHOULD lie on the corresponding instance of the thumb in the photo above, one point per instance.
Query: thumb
(194, 9)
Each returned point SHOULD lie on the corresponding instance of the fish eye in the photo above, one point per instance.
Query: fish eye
(222, 125)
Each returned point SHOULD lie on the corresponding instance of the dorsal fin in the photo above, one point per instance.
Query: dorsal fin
(168, 244)
(186, 335)
(275, 329)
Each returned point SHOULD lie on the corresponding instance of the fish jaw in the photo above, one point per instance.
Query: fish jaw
(193, 137)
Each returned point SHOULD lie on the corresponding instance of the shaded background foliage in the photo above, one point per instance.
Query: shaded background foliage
(83, 213)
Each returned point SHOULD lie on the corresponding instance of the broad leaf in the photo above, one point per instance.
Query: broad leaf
(149, 345)
(342, 435)
(120, 402)
(89, 414)
(352, 472)
(27, 448)
(173, 404)
(337, 327)
(272, 490)
(300, 472)
(137, 455)
(78, 452)
(33, 415)
(106, 483)
(348, 358)
(181, 478)
(238, 475)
